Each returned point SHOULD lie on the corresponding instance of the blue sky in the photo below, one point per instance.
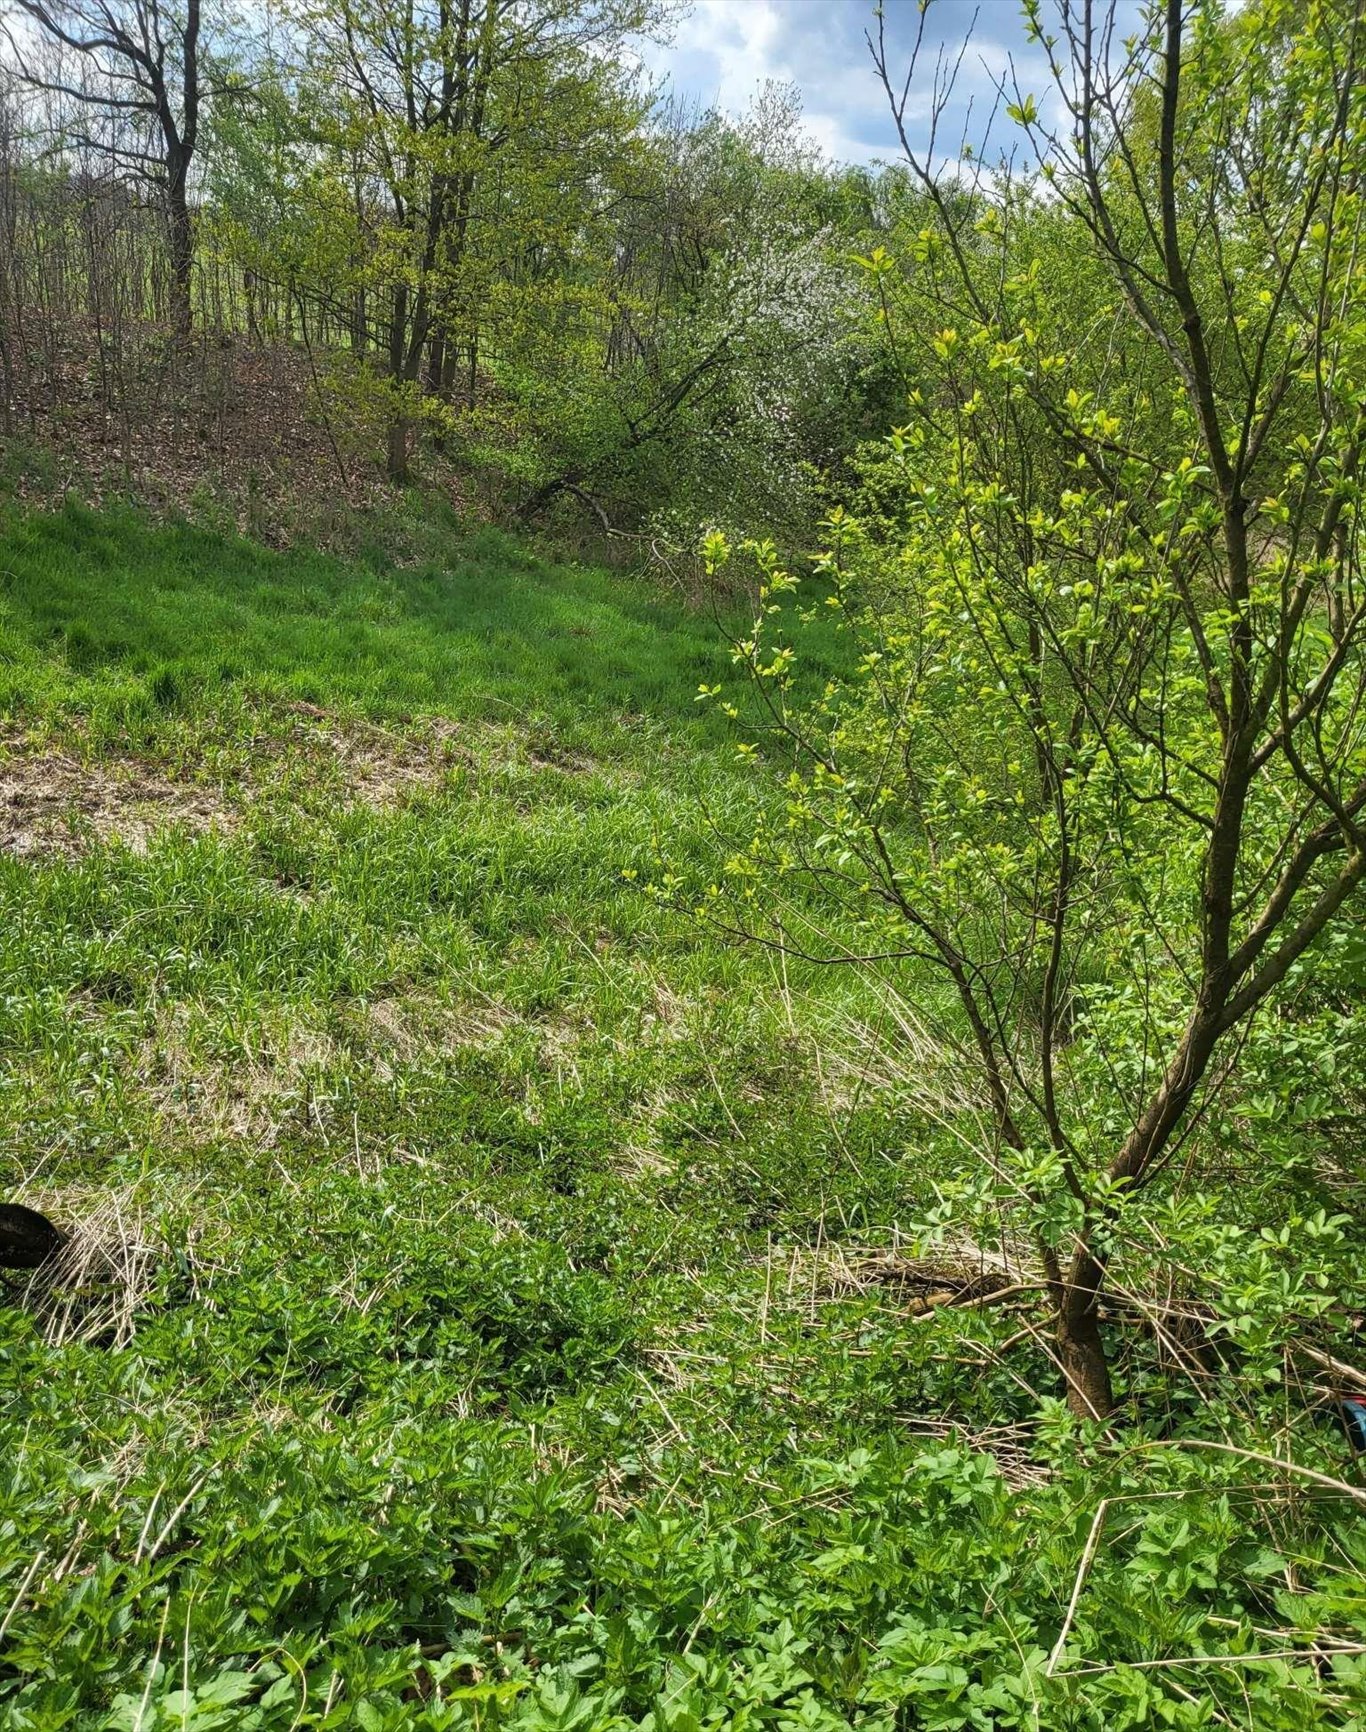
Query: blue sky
(725, 49)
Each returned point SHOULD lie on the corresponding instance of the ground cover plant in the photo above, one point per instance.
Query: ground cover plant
(767, 1137)
(495, 1300)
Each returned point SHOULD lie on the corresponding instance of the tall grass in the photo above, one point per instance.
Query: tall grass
(112, 611)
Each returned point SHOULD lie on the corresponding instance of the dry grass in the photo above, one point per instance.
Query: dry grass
(1010, 1446)
(56, 801)
(283, 1072)
(94, 1288)
(404, 1031)
(243, 1099)
(353, 760)
(904, 1276)
(52, 802)
(57, 798)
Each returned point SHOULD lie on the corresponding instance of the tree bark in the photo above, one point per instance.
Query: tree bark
(396, 462)
(1080, 1345)
(182, 244)
(398, 447)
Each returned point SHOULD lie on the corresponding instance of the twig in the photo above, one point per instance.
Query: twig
(1211, 1660)
(1083, 1570)
(1355, 1493)
(15, 1603)
(1339, 1367)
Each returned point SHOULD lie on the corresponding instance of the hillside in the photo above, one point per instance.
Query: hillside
(682, 864)
(488, 1301)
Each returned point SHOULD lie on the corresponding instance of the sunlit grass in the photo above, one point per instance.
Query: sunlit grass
(119, 616)
(470, 1210)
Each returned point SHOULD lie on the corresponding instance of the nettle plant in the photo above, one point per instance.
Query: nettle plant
(1100, 766)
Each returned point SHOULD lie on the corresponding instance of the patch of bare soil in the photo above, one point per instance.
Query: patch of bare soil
(57, 802)
(53, 803)
(230, 425)
(363, 761)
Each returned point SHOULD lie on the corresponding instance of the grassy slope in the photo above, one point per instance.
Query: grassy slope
(495, 636)
(474, 1382)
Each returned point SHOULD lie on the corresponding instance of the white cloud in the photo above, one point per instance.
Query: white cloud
(742, 38)
(725, 50)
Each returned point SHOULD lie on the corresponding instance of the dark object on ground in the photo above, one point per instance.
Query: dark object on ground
(1353, 1411)
(27, 1238)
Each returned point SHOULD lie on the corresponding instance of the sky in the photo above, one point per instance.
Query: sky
(726, 49)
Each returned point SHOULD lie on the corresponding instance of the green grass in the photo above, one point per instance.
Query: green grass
(485, 1366)
(110, 611)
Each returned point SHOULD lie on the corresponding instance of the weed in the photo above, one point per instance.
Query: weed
(479, 1317)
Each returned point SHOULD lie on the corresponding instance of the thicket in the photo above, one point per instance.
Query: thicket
(476, 229)
(1098, 784)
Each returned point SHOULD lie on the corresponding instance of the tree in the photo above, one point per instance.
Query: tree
(708, 357)
(472, 129)
(130, 78)
(1102, 766)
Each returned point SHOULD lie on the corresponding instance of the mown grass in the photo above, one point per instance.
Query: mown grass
(483, 1370)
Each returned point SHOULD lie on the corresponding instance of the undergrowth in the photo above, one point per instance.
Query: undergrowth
(485, 1366)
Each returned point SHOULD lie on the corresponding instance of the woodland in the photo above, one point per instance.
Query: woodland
(682, 835)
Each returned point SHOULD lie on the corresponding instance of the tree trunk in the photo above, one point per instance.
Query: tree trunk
(1080, 1347)
(450, 362)
(182, 248)
(397, 460)
(436, 362)
(548, 490)
(253, 323)
(1081, 1350)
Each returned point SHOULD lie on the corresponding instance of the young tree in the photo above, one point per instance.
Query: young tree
(1102, 767)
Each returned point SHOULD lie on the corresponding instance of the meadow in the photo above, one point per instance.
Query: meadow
(497, 1304)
